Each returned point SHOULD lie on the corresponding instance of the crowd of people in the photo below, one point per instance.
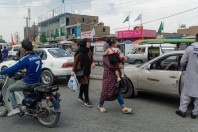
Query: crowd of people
(113, 73)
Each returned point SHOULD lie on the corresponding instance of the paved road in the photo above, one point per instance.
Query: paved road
(151, 114)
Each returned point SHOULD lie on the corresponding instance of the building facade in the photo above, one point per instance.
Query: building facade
(70, 26)
(191, 31)
(31, 33)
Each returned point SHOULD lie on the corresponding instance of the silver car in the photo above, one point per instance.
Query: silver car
(161, 75)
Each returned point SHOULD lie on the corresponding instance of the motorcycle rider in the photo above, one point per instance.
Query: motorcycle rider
(32, 63)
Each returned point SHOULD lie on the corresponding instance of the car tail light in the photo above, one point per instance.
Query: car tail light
(67, 64)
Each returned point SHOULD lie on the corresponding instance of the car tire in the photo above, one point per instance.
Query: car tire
(3, 68)
(47, 77)
(128, 90)
(138, 62)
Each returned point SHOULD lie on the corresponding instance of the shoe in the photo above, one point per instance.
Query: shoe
(126, 110)
(193, 116)
(182, 114)
(81, 99)
(14, 111)
(88, 103)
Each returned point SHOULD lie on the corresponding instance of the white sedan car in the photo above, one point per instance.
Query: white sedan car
(161, 75)
(56, 63)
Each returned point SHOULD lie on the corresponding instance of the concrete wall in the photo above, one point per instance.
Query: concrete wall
(75, 18)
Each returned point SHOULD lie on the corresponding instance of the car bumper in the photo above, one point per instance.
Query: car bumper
(62, 72)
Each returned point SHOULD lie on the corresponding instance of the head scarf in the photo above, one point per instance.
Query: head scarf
(84, 58)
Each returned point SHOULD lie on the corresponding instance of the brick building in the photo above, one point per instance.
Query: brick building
(191, 31)
(69, 26)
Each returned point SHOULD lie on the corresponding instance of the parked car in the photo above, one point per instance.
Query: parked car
(98, 50)
(146, 52)
(13, 51)
(161, 75)
(56, 63)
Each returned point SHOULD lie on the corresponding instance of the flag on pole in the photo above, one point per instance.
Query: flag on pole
(13, 43)
(139, 18)
(161, 28)
(93, 33)
(63, 1)
(127, 19)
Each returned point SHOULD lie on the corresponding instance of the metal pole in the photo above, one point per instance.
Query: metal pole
(27, 30)
(34, 32)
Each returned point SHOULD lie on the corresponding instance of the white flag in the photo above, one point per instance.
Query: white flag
(92, 33)
(138, 18)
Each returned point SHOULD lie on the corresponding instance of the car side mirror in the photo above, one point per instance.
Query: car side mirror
(148, 67)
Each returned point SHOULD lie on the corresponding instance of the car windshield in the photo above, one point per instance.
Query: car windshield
(58, 53)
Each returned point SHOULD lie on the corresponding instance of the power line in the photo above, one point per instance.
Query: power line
(163, 17)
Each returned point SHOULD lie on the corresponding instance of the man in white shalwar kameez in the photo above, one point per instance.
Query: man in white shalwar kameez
(190, 89)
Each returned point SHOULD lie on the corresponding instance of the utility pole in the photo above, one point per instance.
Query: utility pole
(28, 24)
(27, 30)
(34, 32)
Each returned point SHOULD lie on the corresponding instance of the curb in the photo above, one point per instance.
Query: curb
(96, 77)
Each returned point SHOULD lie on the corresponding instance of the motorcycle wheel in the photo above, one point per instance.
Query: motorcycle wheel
(3, 109)
(46, 114)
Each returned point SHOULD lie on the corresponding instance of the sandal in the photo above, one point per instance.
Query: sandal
(126, 110)
(102, 109)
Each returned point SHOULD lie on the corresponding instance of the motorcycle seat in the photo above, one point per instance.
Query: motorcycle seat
(46, 89)
(30, 87)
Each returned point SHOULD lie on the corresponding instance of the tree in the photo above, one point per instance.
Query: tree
(2, 41)
(43, 37)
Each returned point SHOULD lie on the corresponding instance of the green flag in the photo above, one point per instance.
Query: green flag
(127, 19)
(161, 28)
(63, 1)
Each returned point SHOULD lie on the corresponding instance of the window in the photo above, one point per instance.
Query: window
(16, 48)
(140, 50)
(67, 21)
(168, 63)
(83, 19)
(165, 50)
(58, 53)
(104, 30)
(42, 54)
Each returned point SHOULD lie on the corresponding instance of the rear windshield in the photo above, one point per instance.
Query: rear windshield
(58, 53)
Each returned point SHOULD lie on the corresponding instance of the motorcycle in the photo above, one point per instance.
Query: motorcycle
(39, 101)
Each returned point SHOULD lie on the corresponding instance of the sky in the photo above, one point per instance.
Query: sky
(111, 12)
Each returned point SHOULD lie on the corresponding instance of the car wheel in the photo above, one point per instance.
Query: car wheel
(47, 77)
(138, 62)
(128, 90)
(3, 68)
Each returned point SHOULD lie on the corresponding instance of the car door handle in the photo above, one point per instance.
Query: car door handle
(172, 76)
(151, 79)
